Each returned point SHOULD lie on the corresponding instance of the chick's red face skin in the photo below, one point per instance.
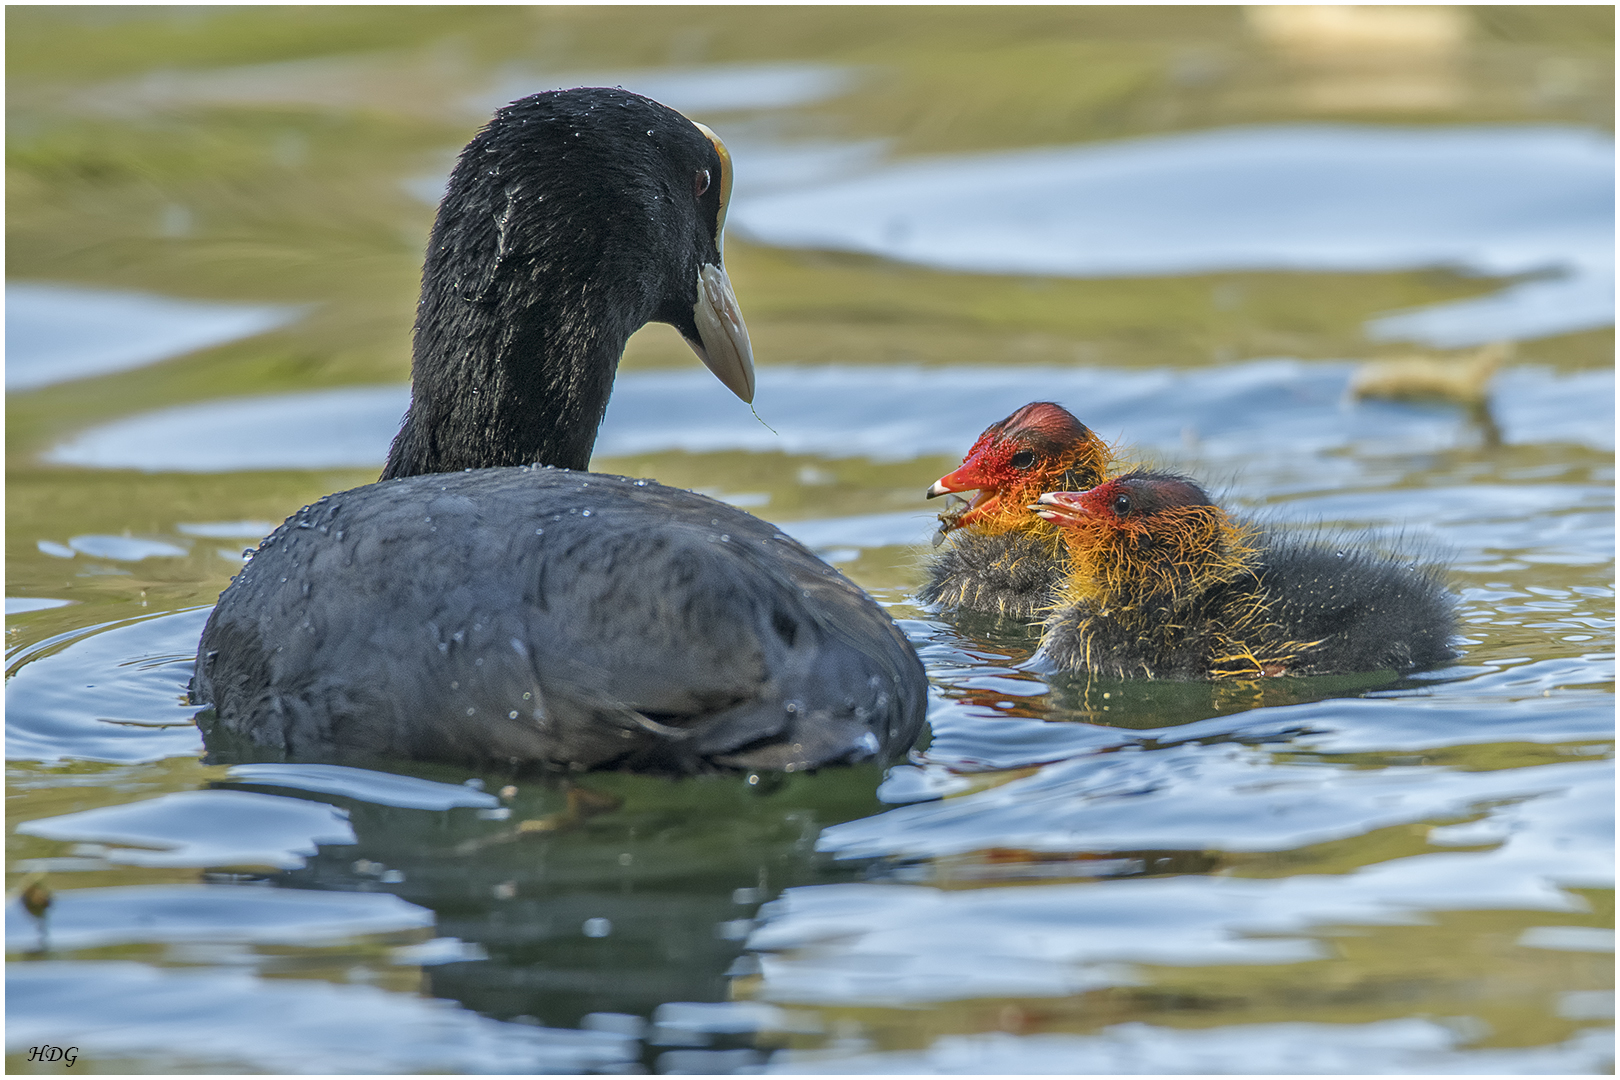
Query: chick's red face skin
(1014, 461)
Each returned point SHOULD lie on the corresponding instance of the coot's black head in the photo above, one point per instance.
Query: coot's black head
(571, 220)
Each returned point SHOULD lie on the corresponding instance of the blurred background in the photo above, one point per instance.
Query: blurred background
(1352, 266)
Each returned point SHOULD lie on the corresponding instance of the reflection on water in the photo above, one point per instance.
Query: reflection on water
(1498, 201)
(1202, 797)
(325, 429)
(134, 710)
(55, 333)
(19, 605)
(1570, 301)
(822, 943)
(93, 918)
(1387, 1046)
(884, 413)
(146, 1015)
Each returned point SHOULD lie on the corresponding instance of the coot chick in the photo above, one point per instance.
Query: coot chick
(1164, 585)
(480, 606)
(998, 557)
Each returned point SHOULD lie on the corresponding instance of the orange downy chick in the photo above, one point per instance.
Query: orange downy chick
(1163, 584)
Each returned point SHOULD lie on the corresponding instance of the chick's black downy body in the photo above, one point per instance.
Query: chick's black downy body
(1015, 574)
(1348, 610)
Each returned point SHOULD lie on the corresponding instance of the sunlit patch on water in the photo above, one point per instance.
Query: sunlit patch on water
(55, 333)
(173, 915)
(1496, 200)
(200, 828)
(21, 605)
(146, 1013)
(1385, 1046)
(1241, 411)
(114, 692)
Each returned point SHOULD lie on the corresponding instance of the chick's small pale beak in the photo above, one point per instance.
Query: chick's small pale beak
(1061, 506)
(725, 350)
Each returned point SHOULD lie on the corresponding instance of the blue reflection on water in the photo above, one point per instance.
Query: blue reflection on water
(127, 914)
(55, 333)
(1408, 1046)
(1240, 411)
(152, 1013)
(202, 828)
(1491, 200)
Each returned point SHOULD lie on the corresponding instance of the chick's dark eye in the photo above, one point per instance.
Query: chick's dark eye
(1022, 460)
(1122, 505)
(700, 182)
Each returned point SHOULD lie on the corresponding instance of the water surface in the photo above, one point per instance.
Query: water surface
(55, 333)
(1347, 875)
(1498, 201)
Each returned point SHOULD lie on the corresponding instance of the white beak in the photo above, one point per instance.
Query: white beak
(725, 349)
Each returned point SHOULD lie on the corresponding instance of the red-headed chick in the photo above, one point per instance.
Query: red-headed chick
(999, 557)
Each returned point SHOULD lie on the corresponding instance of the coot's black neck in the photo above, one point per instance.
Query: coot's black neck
(517, 376)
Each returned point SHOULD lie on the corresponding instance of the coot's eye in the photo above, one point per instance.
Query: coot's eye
(1122, 505)
(700, 182)
(1022, 460)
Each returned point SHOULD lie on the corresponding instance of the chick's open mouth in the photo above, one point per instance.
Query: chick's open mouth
(958, 509)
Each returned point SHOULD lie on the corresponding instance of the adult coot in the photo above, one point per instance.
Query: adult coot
(1164, 585)
(997, 556)
(486, 604)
